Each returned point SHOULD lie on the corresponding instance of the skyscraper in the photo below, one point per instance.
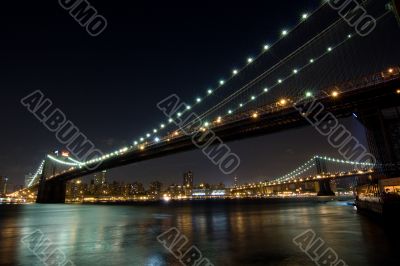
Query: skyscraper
(100, 178)
(3, 185)
(99, 183)
(188, 180)
(188, 183)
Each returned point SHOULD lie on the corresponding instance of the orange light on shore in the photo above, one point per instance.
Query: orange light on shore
(176, 133)
(390, 70)
(141, 147)
(219, 120)
(335, 94)
(398, 91)
(254, 115)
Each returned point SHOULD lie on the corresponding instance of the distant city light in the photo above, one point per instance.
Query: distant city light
(309, 94)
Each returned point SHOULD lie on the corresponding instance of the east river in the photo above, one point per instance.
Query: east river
(226, 233)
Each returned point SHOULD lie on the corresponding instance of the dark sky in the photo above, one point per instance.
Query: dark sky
(109, 85)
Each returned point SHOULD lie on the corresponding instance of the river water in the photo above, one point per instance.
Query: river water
(227, 233)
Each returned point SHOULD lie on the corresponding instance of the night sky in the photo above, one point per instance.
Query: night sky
(109, 85)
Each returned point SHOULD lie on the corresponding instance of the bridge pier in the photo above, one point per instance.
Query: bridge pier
(383, 135)
(52, 192)
(325, 188)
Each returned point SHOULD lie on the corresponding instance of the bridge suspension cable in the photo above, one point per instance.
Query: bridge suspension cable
(279, 82)
(236, 72)
(63, 162)
(37, 174)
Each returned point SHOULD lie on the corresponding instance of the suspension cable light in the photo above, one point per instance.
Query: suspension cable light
(266, 47)
(303, 67)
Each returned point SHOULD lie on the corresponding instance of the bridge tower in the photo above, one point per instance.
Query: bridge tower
(383, 135)
(324, 185)
(50, 191)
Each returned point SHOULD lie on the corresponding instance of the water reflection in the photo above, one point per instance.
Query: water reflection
(240, 233)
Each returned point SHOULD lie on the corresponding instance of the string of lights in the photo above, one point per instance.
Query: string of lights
(235, 72)
(241, 105)
(312, 163)
(38, 172)
(294, 72)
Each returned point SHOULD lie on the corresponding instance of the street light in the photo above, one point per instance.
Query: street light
(309, 94)
(282, 102)
(335, 94)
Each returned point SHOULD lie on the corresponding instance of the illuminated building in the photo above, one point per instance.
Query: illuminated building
(98, 184)
(155, 188)
(188, 182)
(137, 188)
(3, 185)
(100, 178)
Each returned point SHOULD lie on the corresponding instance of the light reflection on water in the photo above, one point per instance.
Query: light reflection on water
(226, 233)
